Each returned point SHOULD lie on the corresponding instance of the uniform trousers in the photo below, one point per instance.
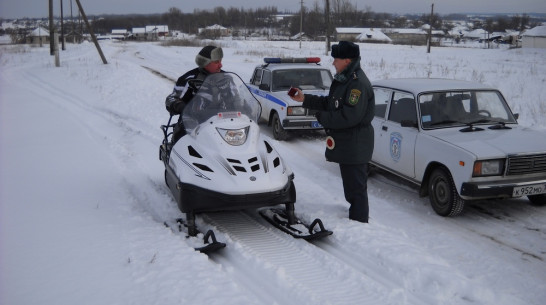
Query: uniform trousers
(355, 187)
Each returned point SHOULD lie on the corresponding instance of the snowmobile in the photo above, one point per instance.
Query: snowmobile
(223, 163)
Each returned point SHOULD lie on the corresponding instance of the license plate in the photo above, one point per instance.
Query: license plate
(534, 189)
(316, 124)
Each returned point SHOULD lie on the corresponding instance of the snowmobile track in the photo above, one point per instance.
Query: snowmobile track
(290, 264)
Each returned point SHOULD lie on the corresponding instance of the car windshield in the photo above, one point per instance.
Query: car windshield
(458, 108)
(220, 93)
(305, 79)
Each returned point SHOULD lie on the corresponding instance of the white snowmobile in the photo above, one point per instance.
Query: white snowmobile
(223, 162)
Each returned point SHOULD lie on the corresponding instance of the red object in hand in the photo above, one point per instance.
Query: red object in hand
(292, 91)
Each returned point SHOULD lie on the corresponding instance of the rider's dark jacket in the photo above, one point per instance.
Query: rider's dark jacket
(185, 88)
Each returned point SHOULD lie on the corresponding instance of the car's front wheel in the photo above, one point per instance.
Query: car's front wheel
(279, 133)
(444, 199)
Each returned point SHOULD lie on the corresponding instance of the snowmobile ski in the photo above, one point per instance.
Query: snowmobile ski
(210, 244)
(279, 218)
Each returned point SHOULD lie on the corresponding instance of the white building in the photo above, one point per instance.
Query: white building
(534, 38)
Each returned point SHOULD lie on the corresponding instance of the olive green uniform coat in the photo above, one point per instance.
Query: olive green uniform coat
(346, 115)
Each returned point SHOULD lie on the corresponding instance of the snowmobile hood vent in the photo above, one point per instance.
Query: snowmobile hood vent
(268, 147)
(193, 152)
(244, 166)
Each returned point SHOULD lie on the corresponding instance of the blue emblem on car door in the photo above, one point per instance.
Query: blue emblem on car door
(396, 146)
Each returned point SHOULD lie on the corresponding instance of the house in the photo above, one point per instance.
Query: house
(149, 32)
(477, 34)
(534, 38)
(119, 34)
(407, 36)
(138, 34)
(348, 34)
(38, 36)
(153, 32)
(373, 36)
(301, 36)
(216, 30)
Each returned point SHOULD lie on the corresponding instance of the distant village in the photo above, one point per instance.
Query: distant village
(30, 31)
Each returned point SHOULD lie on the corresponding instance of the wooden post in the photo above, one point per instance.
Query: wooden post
(429, 39)
(91, 31)
(62, 27)
(327, 15)
(301, 21)
(56, 50)
(51, 29)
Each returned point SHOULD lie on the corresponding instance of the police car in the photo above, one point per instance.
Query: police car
(458, 141)
(271, 82)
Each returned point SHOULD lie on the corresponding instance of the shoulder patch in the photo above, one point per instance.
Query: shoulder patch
(354, 97)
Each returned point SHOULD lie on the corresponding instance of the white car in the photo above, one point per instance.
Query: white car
(270, 84)
(458, 141)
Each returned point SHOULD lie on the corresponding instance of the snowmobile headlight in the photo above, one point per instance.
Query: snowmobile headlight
(234, 137)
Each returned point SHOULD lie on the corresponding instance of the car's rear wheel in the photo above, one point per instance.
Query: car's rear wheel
(444, 199)
(537, 199)
(279, 133)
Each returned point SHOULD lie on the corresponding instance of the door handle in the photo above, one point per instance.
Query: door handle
(385, 128)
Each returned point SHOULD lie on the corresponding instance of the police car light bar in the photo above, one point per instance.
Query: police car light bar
(278, 60)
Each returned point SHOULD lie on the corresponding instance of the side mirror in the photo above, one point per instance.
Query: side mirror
(264, 87)
(516, 116)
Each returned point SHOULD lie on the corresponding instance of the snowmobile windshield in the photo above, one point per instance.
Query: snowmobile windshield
(221, 93)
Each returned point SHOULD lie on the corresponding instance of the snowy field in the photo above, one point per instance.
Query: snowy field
(83, 202)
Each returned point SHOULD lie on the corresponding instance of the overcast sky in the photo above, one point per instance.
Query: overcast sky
(39, 8)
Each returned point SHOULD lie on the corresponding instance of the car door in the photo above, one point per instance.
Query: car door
(395, 147)
(383, 97)
(260, 95)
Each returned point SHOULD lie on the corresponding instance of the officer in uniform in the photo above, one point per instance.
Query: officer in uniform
(346, 115)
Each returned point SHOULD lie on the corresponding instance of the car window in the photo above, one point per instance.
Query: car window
(403, 108)
(489, 106)
(457, 108)
(266, 77)
(382, 98)
(257, 77)
(305, 79)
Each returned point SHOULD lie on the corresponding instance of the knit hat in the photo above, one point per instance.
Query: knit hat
(345, 49)
(207, 55)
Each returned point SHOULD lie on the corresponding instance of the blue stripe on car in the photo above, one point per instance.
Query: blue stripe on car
(267, 96)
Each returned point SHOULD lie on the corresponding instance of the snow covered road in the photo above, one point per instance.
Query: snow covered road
(82, 198)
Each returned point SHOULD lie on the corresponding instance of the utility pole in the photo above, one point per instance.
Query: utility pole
(429, 39)
(90, 31)
(51, 29)
(62, 27)
(73, 24)
(327, 15)
(301, 21)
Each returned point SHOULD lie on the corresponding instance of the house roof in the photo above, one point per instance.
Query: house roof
(119, 31)
(373, 34)
(406, 31)
(215, 27)
(39, 32)
(350, 30)
(478, 33)
(539, 31)
(157, 28)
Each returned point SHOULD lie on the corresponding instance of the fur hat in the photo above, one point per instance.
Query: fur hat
(207, 55)
(345, 49)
